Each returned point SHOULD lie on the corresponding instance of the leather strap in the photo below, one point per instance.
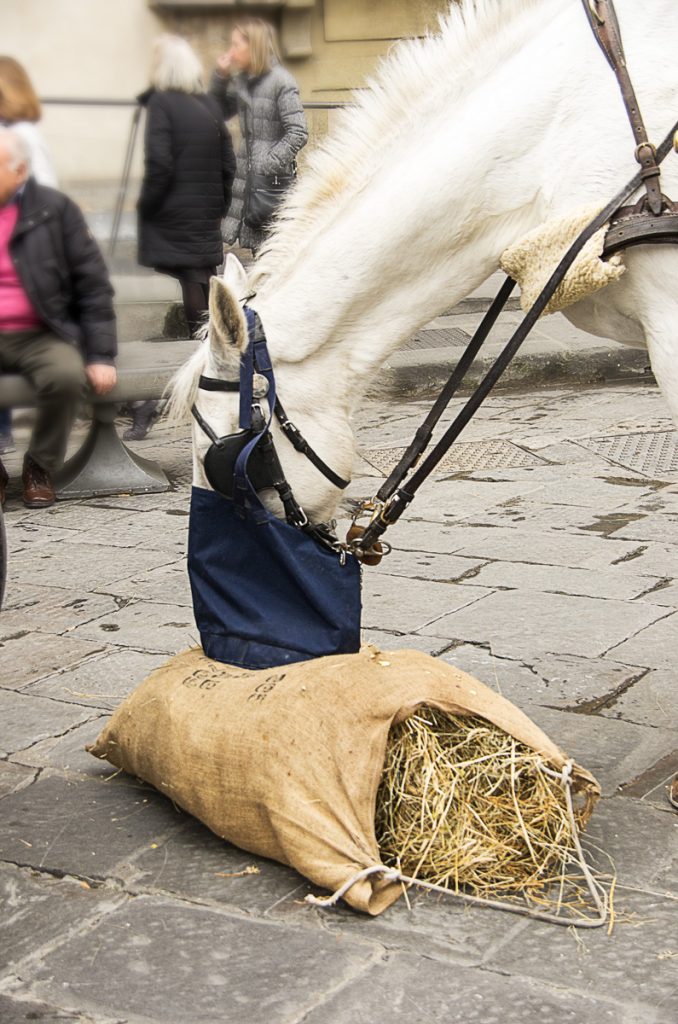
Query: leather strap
(425, 431)
(299, 442)
(603, 20)
(394, 507)
(216, 384)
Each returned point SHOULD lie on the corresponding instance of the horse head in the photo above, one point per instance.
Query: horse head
(326, 428)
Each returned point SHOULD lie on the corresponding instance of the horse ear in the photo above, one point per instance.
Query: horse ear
(235, 276)
(227, 321)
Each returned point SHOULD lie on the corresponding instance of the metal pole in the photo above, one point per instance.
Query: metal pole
(124, 182)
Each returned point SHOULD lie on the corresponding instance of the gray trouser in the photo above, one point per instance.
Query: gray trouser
(56, 370)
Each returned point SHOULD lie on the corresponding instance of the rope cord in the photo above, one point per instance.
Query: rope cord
(595, 889)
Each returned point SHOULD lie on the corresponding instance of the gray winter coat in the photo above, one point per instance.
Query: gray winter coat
(272, 123)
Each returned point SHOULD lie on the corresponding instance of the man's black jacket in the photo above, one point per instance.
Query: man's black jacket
(63, 272)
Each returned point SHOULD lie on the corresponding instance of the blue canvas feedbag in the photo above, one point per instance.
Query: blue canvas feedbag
(265, 593)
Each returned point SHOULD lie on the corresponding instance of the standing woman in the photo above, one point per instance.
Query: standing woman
(251, 82)
(188, 176)
(186, 189)
(20, 109)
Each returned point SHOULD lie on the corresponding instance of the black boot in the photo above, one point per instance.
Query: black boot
(143, 414)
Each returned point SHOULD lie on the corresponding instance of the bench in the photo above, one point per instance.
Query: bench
(104, 465)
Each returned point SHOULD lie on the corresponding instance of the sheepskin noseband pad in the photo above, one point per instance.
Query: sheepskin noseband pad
(531, 261)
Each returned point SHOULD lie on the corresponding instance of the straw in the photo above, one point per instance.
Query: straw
(464, 805)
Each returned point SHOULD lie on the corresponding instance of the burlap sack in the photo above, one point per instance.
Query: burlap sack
(286, 762)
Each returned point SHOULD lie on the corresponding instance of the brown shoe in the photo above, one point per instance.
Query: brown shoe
(38, 486)
(4, 480)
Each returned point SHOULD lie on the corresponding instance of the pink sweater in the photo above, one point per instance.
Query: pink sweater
(16, 310)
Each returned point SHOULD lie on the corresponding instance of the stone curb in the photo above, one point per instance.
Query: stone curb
(409, 374)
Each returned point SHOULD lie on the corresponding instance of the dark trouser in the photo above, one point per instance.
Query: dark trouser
(56, 370)
(195, 292)
(195, 296)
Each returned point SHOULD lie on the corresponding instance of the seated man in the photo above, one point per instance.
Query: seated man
(57, 325)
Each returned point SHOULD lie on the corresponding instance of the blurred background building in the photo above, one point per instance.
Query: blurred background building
(77, 51)
(89, 59)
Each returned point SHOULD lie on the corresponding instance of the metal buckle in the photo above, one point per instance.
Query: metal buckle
(593, 7)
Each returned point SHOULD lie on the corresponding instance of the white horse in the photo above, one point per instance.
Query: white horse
(465, 141)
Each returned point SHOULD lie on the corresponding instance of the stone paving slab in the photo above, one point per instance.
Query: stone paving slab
(101, 681)
(532, 546)
(561, 681)
(67, 753)
(666, 594)
(383, 607)
(13, 777)
(83, 566)
(661, 528)
(549, 624)
(25, 1011)
(654, 646)
(614, 751)
(427, 566)
(27, 534)
(387, 641)
(26, 719)
(195, 864)
(651, 701)
(28, 656)
(641, 558)
(644, 839)
(563, 580)
(167, 582)
(633, 966)
(427, 924)
(145, 626)
(83, 827)
(215, 968)
(37, 909)
(52, 610)
(463, 496)
(403, 989)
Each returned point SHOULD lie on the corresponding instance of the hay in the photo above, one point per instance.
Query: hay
(465, 806)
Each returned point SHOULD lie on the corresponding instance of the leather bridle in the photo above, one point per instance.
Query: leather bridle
(654, 218)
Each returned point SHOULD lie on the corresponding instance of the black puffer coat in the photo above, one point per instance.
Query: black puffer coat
(63, 272)
(189, 171)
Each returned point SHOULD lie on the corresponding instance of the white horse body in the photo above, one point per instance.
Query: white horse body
(468, 140)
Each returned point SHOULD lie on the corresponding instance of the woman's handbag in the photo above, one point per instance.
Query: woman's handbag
(265, 192)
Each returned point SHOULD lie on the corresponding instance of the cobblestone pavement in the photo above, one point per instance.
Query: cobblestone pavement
(544, 560)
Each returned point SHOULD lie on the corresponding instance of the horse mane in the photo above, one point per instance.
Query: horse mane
(182, 390)
(474, 36)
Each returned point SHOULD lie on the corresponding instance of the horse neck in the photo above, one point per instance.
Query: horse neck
(445, 198)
